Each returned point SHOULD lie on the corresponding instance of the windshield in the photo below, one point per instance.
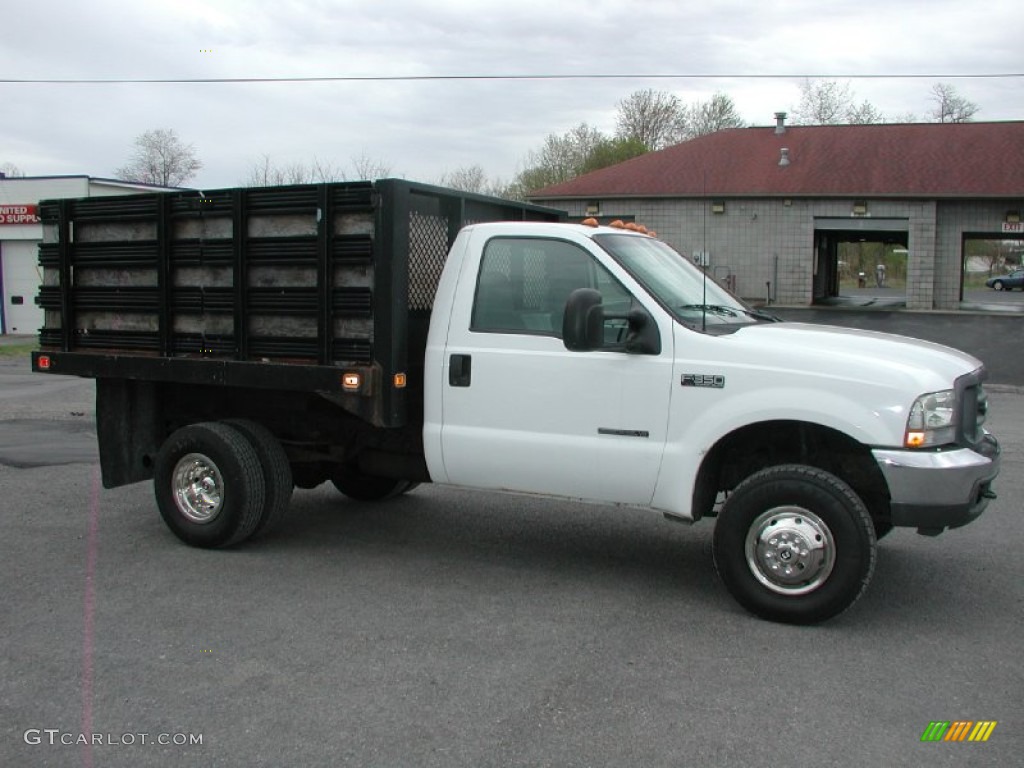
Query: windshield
(682, 289)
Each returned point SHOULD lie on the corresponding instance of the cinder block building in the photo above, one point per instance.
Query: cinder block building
(767, 209)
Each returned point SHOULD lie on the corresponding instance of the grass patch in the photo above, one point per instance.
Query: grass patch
(18, 350)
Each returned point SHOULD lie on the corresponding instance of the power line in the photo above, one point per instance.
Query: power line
(441, 78)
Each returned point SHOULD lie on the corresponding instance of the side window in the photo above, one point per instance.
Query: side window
(524, 283)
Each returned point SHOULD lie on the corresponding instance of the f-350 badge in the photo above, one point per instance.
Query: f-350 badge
(703, 380)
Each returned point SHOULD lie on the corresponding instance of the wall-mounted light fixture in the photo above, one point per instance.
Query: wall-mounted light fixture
(860, 207)
(718, 206)
(593, 208)
(1013, 217)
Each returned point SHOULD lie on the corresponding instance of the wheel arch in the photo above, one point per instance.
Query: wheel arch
(753, 447)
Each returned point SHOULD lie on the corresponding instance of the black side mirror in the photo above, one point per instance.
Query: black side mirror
(583, 322)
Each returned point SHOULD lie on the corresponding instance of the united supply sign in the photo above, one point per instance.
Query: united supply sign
(19, 214)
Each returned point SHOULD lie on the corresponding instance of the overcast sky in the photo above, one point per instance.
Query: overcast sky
(423, 128)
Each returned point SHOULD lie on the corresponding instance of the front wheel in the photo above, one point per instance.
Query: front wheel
(795, 544)
(997, 285)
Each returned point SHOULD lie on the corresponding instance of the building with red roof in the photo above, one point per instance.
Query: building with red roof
(769, 209)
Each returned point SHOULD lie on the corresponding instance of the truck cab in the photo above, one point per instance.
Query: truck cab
(597, 363)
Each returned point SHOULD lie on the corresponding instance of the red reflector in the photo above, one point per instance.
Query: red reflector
(44, 362)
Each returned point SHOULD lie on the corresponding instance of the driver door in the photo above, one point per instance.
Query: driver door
(520, 411)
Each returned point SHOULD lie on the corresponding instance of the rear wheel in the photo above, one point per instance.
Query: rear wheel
(356, 485)
(209, 485)
(794, 543)
(277, 472)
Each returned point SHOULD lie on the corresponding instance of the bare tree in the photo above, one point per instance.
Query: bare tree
(367, 167)
(823, 102)
(161, 158)
(655, 118)
(265, 173)
(11, 171)
(864, 113)
(951, 107)
(715, 114)
(470, 178)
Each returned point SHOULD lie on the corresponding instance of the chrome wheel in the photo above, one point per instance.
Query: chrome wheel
(790, 550)
(198, 488)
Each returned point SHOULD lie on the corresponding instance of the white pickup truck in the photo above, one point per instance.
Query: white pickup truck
(249, 341)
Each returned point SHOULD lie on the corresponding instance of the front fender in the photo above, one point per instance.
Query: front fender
(700, 418)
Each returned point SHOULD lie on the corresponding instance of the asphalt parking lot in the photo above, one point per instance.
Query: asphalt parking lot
(456, 628)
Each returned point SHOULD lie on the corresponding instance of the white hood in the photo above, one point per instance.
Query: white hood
(854, 354)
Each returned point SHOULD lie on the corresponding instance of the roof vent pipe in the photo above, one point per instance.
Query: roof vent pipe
(780, 123)
(784, 156)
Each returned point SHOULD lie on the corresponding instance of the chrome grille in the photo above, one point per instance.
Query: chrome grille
(974, 410)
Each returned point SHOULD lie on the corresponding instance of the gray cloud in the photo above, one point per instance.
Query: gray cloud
(422, 129)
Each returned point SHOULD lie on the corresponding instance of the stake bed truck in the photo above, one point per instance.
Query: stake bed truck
(379, 335)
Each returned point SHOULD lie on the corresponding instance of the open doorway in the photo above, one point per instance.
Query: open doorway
(860, 262)
(985, 258)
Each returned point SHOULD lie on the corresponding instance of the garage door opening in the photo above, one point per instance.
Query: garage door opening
(860, 262)
(985, 259)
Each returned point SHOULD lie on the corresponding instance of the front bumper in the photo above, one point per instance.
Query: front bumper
(934, 490)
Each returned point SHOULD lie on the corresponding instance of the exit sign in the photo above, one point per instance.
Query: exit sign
(1016, 227)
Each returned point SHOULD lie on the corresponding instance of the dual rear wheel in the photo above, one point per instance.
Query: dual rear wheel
(218, 483)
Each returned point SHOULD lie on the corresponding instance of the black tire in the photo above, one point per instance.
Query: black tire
(882, 528)
(222, 460)
(308, 475)
(277, 473)
(794, 544)
(360, 487)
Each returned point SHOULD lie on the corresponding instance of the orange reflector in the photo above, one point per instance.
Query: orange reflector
(351, 381)
(44, 362)
(399, 381)
(914, 439)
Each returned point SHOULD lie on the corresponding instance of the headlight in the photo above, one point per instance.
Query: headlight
(932, 420)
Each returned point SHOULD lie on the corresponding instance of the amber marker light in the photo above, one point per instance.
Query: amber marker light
(400, 381)
(351, 382)
(914, 439)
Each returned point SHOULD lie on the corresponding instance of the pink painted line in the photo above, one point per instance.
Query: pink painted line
(89, 614)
